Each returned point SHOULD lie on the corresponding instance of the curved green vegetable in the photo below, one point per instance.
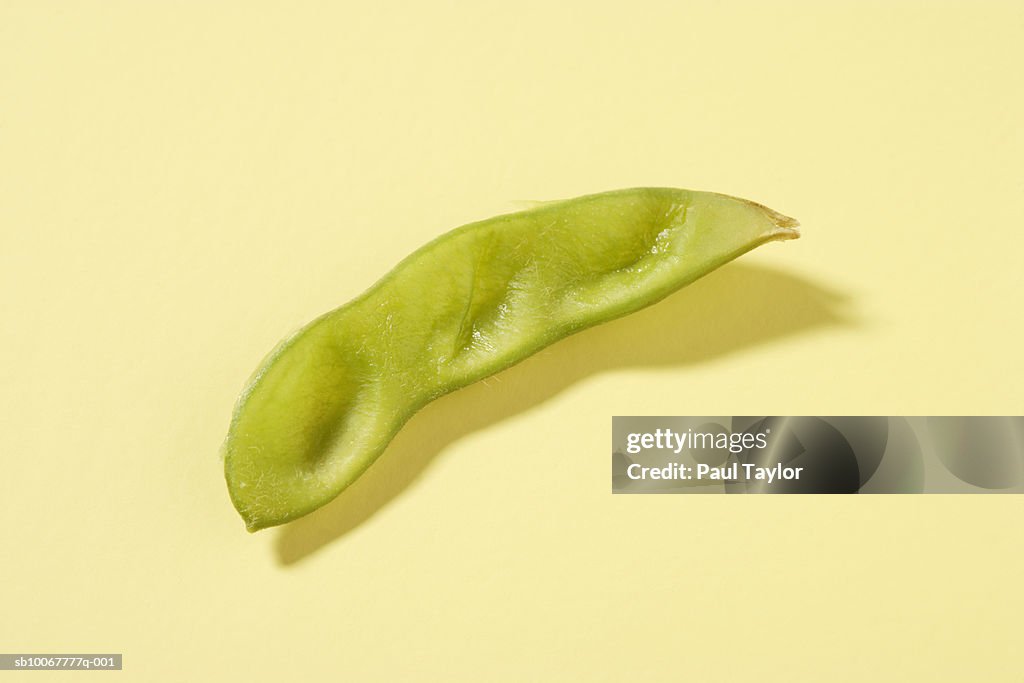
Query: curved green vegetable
(326, 402)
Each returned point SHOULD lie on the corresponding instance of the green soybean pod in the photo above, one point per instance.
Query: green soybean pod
(327, 401)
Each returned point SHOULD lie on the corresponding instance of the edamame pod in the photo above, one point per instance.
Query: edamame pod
(326, 402)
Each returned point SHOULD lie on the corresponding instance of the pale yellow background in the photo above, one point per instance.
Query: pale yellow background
(183, 184)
